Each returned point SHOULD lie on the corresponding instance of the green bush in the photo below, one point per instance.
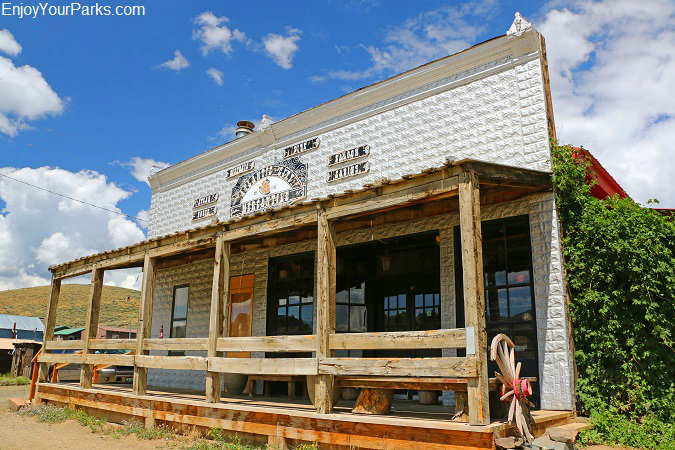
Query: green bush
(8, 380)
(620, 262)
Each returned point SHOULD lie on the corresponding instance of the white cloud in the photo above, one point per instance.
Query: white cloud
(282, 49)
(214, 34)
(144, 216)
(24, 93)
(29, 243)
(612, 79)
(141, 167)
(426, 37)
(178, 63)
(8, 44)
(216, 75)
(227, 132)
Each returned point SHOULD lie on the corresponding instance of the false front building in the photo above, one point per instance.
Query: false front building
(376, 242)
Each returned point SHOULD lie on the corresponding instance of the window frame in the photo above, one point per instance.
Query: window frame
(173, 311)
(273, 300)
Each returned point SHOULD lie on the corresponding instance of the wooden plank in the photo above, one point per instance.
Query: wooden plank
(171, 362)
(176, 344)
(474, 293)
(300, 343)
(408, 367)
(109, 359)
(64, 345)
(265, 366)
(65, 358)
(213, 379)
(271, 226)
(140, 384)
(414, 383)
(52, 305)
(91, 327)
(326, 269)
(112, 344)
(447, 338)
(397, 198)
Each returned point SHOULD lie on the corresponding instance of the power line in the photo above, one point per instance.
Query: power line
(73, 199)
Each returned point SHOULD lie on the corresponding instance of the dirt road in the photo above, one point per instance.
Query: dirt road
(18, 432)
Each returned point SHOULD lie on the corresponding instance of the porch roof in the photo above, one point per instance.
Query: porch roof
(300, 214)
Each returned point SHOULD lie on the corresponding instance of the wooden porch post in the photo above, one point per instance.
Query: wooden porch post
(144, 329)
(219, 290)
(91, 327)
(54, 292)
(474, 294)
(325, 322)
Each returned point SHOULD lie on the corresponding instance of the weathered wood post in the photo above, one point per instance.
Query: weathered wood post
(219, 290)
(144, 329)
(474, 294)
(325, 307)
(91, 327)
(54, 293)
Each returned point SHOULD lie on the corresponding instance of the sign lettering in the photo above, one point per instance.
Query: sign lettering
(348, 155)
(302, 147)
(278, 184)
(212, 198)
(240, 169)
(204, 213)
(348, 171)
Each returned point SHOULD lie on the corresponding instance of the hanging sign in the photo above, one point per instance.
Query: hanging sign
(207, 199)
(204, 213)
(302, 147)
(348, 155)
(278, 184)
(240, 169)
(348, 171)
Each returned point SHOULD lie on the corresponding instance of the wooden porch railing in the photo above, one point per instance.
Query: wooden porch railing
(324, 365)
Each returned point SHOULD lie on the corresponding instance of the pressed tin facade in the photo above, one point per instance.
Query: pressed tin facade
(488, 103)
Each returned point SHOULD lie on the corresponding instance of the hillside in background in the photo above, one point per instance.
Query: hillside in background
(119, 306)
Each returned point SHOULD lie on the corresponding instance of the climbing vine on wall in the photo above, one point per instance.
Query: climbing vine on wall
(620, 261)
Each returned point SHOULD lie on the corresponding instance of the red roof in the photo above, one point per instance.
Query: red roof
(606, 186)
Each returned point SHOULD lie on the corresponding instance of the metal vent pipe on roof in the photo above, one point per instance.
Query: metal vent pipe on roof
(244, 127)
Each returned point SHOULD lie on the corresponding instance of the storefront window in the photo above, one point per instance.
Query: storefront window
(179, 314)
(291, 295)
(241, 304)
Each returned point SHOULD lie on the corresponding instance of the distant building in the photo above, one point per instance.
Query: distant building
(21, 327)
(105, 332)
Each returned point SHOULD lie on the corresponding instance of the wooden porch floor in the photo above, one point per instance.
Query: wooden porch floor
(282, 422)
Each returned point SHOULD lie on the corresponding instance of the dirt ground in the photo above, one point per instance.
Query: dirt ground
(18, 432)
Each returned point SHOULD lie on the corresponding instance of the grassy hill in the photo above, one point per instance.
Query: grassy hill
(119, 306)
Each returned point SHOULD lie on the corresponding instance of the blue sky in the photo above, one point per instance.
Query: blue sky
(89, 104)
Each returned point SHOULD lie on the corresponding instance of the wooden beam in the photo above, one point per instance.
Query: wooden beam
(326, 269)
(449, 338)
(271, 226)
(54, 292)
(171, 362)
(65, 358)
(402, 367)
(199, 344)
(221, 269)
(91, 327)
(300, 343)
(265, 366)
(144, 328)
(65, 345)
(474, 294)
(112, 344)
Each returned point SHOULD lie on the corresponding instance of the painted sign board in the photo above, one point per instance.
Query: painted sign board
(278, 184)
(349, 155)
(348, 171)
(204, 213)
(207, 199)
(302, 147)
(240, 169)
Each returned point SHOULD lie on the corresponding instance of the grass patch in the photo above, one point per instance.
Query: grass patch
(58, 414)
(137, 428)
(611, 428)
(222, 440)
(7, 380)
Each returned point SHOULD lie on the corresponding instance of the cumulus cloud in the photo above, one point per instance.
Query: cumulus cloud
(178, 63)
(24, 93)
(214, 34)
(8, 44)
(282, 49)
(140, 167)
(420, 39)
(144, 218)
(216, 75)
(612, 78)
(73, 229)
